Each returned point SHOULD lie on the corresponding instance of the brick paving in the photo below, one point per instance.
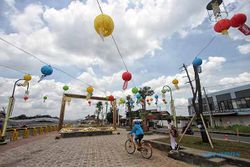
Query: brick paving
(94, 151)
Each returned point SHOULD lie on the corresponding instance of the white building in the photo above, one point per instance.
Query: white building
(228, 107)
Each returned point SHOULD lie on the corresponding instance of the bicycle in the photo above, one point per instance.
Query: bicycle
(146, 148)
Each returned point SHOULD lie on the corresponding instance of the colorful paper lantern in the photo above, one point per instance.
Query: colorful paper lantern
(238, 21)
(175, 83)
(45, 70)
(126, 76)
(25, 98)
(138, 95)
(197, 61)
(104, 25)
(111, 98)
(45, 98)
(27, 77)
(65, 87)
(135, 90)
(222, 26)
(122, 101)
(90, 89)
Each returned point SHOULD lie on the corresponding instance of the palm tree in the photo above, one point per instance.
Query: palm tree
(129, 104)
(99, 107)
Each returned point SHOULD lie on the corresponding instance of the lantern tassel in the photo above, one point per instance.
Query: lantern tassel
(244, 29)
(125, 85)
(101, 34)
(41, 78)
(176, 86)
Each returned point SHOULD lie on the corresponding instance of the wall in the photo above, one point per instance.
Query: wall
(232, 120)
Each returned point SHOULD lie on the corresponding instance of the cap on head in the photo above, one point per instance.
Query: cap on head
(137, 121)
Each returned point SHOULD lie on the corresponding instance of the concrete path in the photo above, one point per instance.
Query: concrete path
(95, 151)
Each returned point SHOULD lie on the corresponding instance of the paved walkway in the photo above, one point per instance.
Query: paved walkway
(95, 151)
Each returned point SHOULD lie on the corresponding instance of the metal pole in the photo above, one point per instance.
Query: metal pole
(7, 116)
(9, 110)
(172, 108)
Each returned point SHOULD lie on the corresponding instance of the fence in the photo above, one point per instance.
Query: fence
(13, 134)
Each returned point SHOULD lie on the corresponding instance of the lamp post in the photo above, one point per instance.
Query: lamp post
(12, 102)
(172, 108)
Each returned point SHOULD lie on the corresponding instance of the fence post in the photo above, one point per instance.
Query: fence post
(46, 130)
(14, 135)
(41, 132)
(34, 131)
(26, 133)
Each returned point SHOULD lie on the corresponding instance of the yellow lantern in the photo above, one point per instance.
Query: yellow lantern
(104, 25)
(27, 77)
(90, 90)
(175, 82)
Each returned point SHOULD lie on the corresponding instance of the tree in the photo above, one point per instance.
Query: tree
(144, 92)
(99, 107)
(110, 117)
(129, 104)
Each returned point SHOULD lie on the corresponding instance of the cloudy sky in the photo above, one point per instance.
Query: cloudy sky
(155, 38)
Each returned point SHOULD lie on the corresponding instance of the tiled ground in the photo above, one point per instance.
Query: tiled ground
(96, 151)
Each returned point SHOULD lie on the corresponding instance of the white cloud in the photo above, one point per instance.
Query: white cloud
(67, 35)
(244, 49)
(241, 78)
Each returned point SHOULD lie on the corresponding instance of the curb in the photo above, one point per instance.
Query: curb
(227, 133)
(194, 156)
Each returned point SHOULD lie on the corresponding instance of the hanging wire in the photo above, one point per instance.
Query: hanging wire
(116, 45)
(11, 44)
(206, 46)
(43, 62)
(14, 69)
(119, 52)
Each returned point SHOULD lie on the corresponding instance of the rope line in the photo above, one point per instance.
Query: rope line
(43, 62)
(14, 69)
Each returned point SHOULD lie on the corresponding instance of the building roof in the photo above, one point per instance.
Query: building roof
(233, 89)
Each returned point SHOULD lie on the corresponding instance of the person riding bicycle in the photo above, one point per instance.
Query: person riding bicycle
(138, 131)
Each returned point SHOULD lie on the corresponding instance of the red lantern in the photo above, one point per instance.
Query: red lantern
(126, 76)
(222, 26)
(238, 21)
(111, 98)
(25, 98)
(89, 103)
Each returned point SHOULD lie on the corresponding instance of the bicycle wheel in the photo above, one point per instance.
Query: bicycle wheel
(130, 146)
(146, 150)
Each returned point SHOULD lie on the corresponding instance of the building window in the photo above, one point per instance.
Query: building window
(243, 102)
(225, 105)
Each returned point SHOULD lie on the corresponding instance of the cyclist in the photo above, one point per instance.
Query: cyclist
(138, 131)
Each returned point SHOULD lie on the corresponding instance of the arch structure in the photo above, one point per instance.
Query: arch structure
(67, 97)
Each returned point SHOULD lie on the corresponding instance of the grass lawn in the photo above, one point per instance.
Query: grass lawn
(219, 146)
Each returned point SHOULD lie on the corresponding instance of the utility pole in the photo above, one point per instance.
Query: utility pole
(208, 108)
(198, 111)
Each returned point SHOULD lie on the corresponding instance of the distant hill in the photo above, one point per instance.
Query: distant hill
(23, 116)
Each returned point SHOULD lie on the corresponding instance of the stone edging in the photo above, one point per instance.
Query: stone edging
(194, 156)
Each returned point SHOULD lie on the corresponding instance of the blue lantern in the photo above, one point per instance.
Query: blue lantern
(138, 95)
(197, 61)
(46, 70)
(156, 99)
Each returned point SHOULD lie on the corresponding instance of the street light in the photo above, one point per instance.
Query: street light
(165, 89)
(11, 103)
